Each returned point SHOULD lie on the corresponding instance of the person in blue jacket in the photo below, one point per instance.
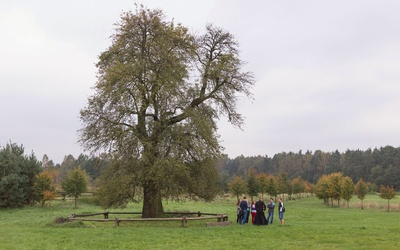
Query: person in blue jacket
(271, 207)
(281, 210)
(244, 205)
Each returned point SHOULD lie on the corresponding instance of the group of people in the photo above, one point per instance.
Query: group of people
(257, 210)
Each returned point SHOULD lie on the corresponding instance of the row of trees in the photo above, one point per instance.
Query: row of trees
(92, 165)
(336, 186)
(255, 184)
(380, 166)
(331, 187)
(24, 181)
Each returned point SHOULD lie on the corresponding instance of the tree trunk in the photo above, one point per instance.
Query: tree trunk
(152, 203)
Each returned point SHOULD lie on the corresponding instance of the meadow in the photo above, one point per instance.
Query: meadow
(309, 224)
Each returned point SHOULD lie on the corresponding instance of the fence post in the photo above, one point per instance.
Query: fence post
(184, 221)
(117, 222)
(225, 217)
(198, 214)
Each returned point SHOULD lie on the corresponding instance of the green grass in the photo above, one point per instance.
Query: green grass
(308, 225)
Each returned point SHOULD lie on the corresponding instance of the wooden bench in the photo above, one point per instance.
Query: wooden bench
(221, 218)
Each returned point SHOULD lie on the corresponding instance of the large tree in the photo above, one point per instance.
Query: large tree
(159, 94)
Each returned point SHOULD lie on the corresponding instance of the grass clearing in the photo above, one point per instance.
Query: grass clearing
(308, 224)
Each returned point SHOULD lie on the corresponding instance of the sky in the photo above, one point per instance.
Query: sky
(327, 73)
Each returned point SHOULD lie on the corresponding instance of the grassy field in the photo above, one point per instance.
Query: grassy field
(308, 225)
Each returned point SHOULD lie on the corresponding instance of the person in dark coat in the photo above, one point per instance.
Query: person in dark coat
(260, 215)
(244, 206)
(239, 212)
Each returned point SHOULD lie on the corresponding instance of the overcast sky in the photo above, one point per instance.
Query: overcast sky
(327, 72)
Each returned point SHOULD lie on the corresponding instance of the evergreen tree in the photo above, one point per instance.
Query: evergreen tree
(17, 176)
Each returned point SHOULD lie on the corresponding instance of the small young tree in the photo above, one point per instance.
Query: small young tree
(237, 186)
(335, 189)
(262, 180)
(272, 188)
(361, 190)
(75, 183)
(387, 193)
(253, 187)
(322, 189)
(347, 189)
(44, 188)
(309, 188)
(298, 186)
(283, 183)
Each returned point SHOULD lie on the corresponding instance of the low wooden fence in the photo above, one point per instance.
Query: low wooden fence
(184, 217)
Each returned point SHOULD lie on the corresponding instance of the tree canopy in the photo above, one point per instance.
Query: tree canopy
(159, 94)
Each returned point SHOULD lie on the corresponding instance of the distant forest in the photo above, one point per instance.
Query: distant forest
(378, 166)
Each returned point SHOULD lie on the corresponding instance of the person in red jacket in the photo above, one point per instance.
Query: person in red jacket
(253, 211)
